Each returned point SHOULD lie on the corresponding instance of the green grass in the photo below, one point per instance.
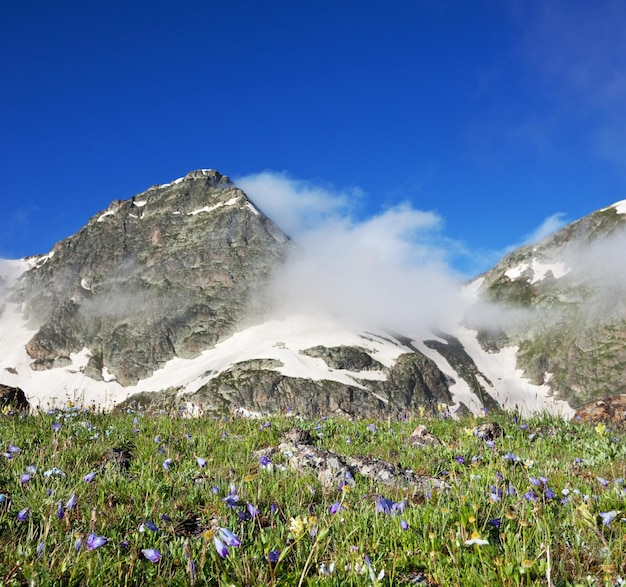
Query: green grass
(552, 536)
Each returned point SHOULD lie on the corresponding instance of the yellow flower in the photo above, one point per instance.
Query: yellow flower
(297, 526)
(601, 429)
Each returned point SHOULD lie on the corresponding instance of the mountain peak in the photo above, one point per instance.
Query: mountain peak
(214, 177)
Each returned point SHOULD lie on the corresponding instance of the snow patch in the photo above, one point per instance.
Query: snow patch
(215, 207)
(538, 269)
(509, 386)
(253, 208)
(84, 284)
(105, 214)
(36, 262)
(620, 207)
(140, 204)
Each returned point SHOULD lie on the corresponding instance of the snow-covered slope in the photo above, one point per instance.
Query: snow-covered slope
(279, 339)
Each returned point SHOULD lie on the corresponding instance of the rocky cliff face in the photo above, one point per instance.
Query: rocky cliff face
(165, 274)
(567, 307)
(413, 383)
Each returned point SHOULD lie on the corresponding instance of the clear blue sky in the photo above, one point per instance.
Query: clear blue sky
(495, 115)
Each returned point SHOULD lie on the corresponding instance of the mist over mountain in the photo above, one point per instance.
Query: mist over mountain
(189, 294)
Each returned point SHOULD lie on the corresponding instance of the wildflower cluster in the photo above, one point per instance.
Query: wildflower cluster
(96, 499)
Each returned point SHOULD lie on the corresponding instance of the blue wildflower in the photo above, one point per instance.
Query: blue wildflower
(94, 541)
(152, 554)
(89, 477)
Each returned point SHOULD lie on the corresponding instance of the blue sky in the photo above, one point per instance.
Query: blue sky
(496, 118)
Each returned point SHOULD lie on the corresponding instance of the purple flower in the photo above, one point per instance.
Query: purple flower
(335, 508)
(167, 463)
(535, 482)
(509, 456)
(232, 498)
(56, 426)
(152, 554)
(404, 524)
(221, 548)
(223, 539)
(459, 459)
(71, 502)
(608, 517)
(25, 478)
(40, 548)
(372, 428)
(89, 477)
(22, 515)
(530, 495)
(495, 522)
(13, 449)
(150, 525)
(94, 541)
(273, 556)
(387, 506)
(549, 493)
(511, 490)
(60, 513)
(78, 544)
(383, 505)
(157, 438)
(252, 510)
(603, 482)
(265, 462)
(495, 494)
(201, 462)
(228, 537)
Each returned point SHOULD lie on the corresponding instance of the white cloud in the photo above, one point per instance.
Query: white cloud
(389, 270)
(546, 228)
(296, 205)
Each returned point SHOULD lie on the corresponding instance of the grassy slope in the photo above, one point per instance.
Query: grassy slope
(533, 538)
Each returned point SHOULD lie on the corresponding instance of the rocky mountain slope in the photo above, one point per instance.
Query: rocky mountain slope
(566, 307)
(161, 299)
(167, 273)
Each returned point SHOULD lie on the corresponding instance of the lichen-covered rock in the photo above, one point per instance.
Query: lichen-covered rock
(297, 447)
(610, 410)
(350, 358)
(421, 436)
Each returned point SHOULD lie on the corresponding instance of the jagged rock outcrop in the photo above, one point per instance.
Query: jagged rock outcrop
(345, 357)
(166, 273)
(333, 470)
(414, 381)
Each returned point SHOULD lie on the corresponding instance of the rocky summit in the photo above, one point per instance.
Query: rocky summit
(163, 299)
(167, 273)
